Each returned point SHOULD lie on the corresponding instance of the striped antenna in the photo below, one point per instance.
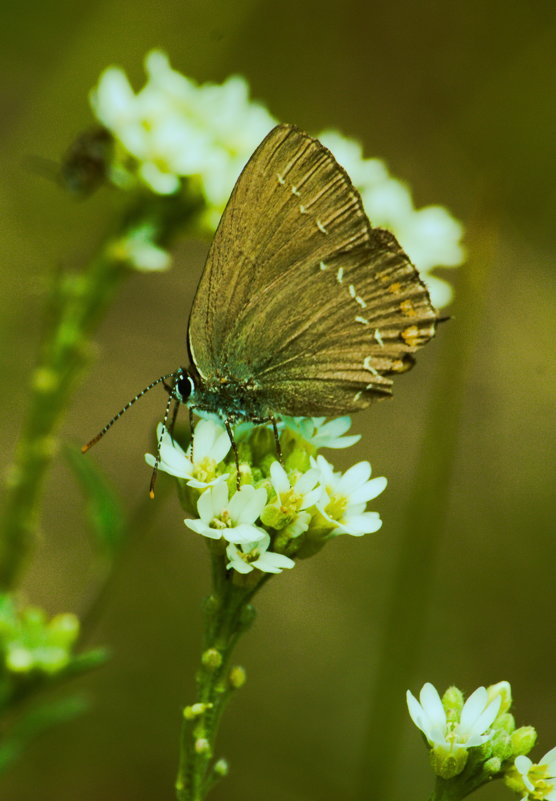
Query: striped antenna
(163, 429)
(109, 425)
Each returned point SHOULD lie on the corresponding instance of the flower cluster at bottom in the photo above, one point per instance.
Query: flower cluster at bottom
(281, 511)
(475, 741)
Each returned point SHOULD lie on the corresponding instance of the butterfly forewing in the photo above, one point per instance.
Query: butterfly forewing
(300, 294)
(291, 202)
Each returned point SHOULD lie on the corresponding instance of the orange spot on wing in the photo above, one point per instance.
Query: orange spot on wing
(407, 308)
(411, 336)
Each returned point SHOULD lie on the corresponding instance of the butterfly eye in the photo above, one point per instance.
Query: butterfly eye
(184, 387)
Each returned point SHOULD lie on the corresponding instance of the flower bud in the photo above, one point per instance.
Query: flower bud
(237, 677)
(492, 766)
(523, 740)
(202, 746)
(504, 690)
(452, 701)
(221, 768)
(447, 762)
(211, 659)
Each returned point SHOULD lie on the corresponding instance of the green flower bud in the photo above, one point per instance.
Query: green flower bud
(452, 701)
(274, 517)
(298, 460)
(501, 745)
(211, 659)
(448, 763)
(492, 766)
(63, 629)
(237, 677)
(202, 746)
(195, 710)
(523, 740)
(19, 659)
(45, 380)
(505, 722)
(221, 768)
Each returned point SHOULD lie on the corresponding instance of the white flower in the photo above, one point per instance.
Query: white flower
(232, 519)
(344, 497)
(255, 554)
(430, 235)
(198, 467)
(292, 501)
(539, 778)
(175, 128)
(322, 434)
(139, 250)
(472, 728)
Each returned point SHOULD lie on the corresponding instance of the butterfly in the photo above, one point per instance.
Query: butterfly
(303, 308)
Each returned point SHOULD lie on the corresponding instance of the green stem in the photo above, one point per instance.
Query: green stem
(77, 304)
(228, 614)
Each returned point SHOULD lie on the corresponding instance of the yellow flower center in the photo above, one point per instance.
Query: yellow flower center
(205, 470)
(543, 783)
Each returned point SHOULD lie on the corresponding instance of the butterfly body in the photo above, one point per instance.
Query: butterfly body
(231, 398)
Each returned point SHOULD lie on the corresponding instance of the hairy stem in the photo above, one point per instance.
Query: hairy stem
(228, 614)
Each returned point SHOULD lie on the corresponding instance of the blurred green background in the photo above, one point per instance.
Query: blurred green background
(458, 98)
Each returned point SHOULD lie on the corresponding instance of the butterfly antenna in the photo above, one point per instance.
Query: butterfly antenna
(109, 425)
(163, 429)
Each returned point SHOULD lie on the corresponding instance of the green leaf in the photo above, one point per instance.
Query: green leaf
(105, 512)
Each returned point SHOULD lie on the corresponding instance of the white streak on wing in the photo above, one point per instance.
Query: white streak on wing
(340, 275)
(362, 320)
(352, 291)
(361, 302)
(378, 337)
(281, 179)
(321, 227)
(295, 191)
(303, 210)
(368, 366)
(323, 266)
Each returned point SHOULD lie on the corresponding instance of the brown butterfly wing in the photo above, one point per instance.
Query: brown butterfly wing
(300, 294)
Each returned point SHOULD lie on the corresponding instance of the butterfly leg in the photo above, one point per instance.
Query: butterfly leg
(175, 411)
(191, 431)
(230, 431)
(277, 441)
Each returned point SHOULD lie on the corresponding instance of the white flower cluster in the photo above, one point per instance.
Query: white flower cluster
(483, 723)
(282, 506)
(174, 128)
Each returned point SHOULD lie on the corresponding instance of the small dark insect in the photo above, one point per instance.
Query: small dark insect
(303, 308)
(85, 163)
